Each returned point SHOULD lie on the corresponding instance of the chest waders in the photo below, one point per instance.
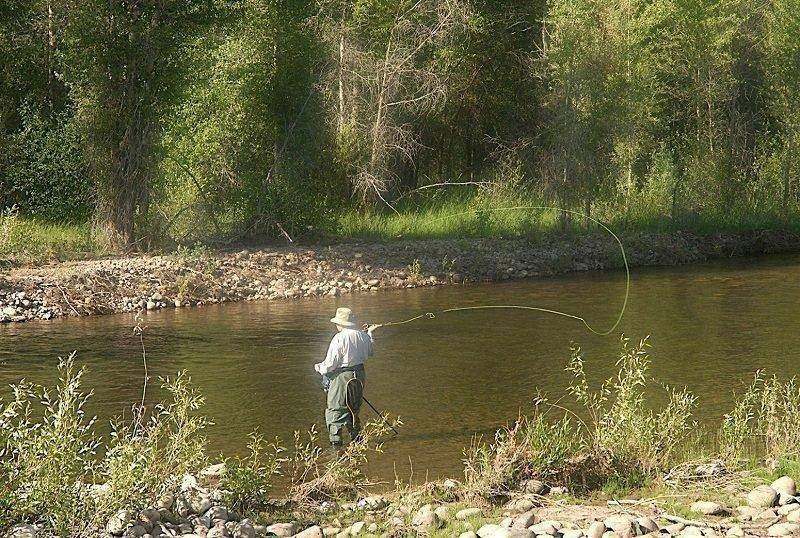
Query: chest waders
(345, 393)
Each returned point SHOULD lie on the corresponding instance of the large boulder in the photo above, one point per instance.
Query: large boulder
(762, 497)
(785, 485)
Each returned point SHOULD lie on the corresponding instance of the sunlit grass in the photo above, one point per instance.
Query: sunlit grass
(26, 241)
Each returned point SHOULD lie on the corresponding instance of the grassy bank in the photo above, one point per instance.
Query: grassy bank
(60, 474)
(27, 241)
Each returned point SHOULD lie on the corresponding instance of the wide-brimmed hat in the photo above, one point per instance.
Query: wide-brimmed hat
(344, 318)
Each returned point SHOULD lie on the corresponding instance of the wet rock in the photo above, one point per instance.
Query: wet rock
(708, 508)
(762, 497)
(785, 485)
(467, 513)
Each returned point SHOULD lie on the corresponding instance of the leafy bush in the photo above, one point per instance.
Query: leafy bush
(247, 481)
(765, 420)
(42, 170)
(47, 458)
(148, 456)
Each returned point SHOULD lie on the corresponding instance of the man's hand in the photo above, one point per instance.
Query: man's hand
(370, 328)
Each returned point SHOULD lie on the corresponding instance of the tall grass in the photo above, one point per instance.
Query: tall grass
(27, 241)
(467, 214)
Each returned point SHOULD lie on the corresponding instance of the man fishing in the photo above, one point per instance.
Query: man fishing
(343, 375)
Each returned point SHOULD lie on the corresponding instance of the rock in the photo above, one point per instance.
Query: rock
(783, 529)
(691, 530)
(450, 484)
(518, 506)
(119, 522)
(283, 529)
(766, 515)
(136, 531)
(507, 522)
(214, 471)
(535, 487)
(217, 532)
(620, 524)
(22, 530)
(151, 305)
(311, 532)
(785, 485)
(330, 531)
(784, 499)
(426, 519)
(243, 529)
(708, 508)
(747, 513)
(647, 525)
(165, 502)
(443, 512)
(572, 533)
(762, 497)
(713, 468)
(496, 531)
(596, 530)
(467, 513)
(357, 528)
(373, 528)
(523, 521)
(468, 534)
(786, 509)
(558, 490)
(735, 532)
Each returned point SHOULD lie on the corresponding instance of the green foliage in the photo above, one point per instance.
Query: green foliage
(48, 449)
(247, 481)
(43, 170)
(148, 456)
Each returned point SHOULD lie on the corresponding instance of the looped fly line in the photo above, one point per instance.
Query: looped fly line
(431, 315)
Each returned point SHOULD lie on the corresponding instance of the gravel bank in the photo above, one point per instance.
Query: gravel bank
(189, 279)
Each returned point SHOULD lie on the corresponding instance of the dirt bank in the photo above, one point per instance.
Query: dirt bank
(192, 278)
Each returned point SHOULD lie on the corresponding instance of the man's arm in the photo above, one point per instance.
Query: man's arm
(333, 359)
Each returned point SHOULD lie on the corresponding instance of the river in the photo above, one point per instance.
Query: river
(711, 327)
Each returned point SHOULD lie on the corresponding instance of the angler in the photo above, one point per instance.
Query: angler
(343, 375)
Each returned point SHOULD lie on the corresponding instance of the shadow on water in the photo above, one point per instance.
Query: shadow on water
(712, 326)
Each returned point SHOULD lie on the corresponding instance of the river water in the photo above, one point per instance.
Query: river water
(711, 327)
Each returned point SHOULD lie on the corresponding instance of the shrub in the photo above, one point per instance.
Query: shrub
(765, 419)
(623, 428)
(247, 481)
(47, 458)
(148, 456)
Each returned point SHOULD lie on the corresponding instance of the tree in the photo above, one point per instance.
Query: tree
(121, 60)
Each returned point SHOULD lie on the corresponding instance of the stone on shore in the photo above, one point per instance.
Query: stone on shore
(283, 529)
(498, 531)
(783, 529)
(708, 508)
(523, 521)
(119, 522)
(596, 530)
(23, 530)
(762, 497)
(467, 513)
(311, 532)
(785, 485)
(426, 519)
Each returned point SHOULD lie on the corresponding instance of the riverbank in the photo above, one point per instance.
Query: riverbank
(199, 276)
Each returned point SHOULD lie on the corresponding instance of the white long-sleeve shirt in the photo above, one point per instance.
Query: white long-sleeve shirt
(348, 347)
